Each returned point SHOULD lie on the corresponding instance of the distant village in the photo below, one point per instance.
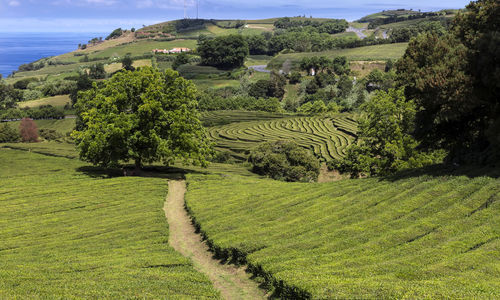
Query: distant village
(172, 51)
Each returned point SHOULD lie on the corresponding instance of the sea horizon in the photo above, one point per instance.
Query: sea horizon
(18, 48)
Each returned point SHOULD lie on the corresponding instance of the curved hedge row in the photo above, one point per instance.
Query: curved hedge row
(327, 137)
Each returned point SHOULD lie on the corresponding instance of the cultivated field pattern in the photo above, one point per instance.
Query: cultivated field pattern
(421, 237)
(326, 137)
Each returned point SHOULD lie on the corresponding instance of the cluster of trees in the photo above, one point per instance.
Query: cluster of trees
(338, 65)
(274, 87)
(9, 96)
(284, 160)
(225, 52)
(395, 18)
(235, 100)
(28, 132)
(447, 104)
(454, 81)
(114, 34)
(305, 40)
(42, 112)
(404, 34)
(330, 26)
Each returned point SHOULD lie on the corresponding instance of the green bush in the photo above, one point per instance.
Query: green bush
(8, 134)
(49, 134)
(284, 160)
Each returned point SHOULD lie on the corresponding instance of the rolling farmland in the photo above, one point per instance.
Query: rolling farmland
(68, 231)
(423, 236)
(326, 137)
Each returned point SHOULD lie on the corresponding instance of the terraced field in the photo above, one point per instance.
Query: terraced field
(416, 237)
(326, 137)
(68, 233)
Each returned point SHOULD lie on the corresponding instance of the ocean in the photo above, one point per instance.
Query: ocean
(21, 48)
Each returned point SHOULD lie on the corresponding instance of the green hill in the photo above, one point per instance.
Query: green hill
(428, 236)
(68, 232)
(367, 53)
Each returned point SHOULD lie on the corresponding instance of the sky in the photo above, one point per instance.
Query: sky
(106, 15)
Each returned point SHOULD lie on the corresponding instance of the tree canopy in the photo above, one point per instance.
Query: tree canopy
(143, 115)
(455, 81)
(224, 52)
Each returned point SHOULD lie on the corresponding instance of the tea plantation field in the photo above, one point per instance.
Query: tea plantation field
(427, 236)
(326, 137)
(67, 232)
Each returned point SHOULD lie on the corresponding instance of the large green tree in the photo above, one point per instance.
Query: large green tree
(144, 116)
(385, 142)
(224, 52)
(455, 82)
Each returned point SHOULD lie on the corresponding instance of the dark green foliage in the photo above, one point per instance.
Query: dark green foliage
(83, 83)
(433, 73)
(330, 26)
(127, 63)
(404, 34)
(145, 116)
(294, 78)
(9, 96)
(260, 88)
(257, 44)
(180, 59)
(23, 83)
(59, 87)
(389, 65)
(312, 87)
(385, 142)
(224, 52)
(479, 30)
(345, 86)
(211, 100)
(284, 160)
(8, 134)
(189, 24)
(116, 33)
(97, 71)
(42, 112)
(379, 80)
(50, 134)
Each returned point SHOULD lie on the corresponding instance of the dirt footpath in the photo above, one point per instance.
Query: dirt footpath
(231, 281)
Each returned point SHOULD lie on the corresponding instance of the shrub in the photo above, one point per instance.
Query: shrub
(284, 160)
(23, 83)
(294, 77)
(32, 95)
(50, 134)
(116, 33)
(8, 134)
(28, 130)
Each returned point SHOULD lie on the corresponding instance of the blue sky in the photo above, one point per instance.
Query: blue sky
(105, 15)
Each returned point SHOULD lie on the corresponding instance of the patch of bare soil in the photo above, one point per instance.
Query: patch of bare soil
(326, 175)
(232, 281)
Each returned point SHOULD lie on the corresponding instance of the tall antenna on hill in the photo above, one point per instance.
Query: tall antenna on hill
(185, 15)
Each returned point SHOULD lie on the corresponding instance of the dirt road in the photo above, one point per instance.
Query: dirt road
(231, 281)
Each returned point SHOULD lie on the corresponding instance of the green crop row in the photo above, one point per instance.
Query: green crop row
(326, 137)
(427, 236)
(68, 231)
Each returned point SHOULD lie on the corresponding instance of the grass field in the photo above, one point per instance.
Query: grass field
(418, 237)
(56, 101)
(62, 126)
(368, 53)
(326, 137)
(67, 232)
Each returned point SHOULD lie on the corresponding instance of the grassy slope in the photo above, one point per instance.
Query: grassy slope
(56, 101)
(377, 52)
(65, 234)
(419, 237)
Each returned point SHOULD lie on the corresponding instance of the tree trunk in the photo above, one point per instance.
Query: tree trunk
(138, 166)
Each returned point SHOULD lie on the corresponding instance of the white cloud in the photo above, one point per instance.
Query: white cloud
(14, 3)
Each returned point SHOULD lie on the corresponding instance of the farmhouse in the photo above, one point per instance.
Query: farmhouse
(172, 51)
